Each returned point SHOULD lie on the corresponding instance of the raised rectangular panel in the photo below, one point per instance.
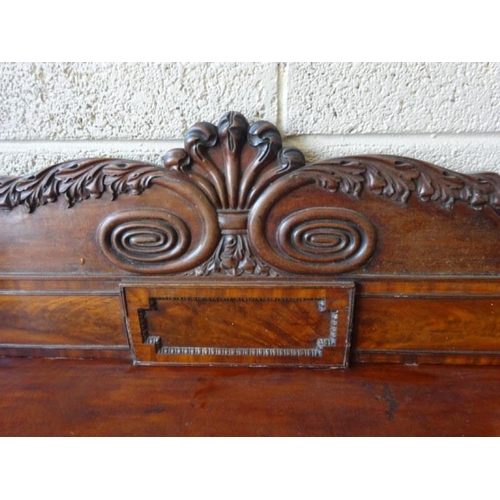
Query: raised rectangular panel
(297, 325)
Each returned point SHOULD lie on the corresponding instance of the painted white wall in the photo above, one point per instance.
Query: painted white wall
(445, 113)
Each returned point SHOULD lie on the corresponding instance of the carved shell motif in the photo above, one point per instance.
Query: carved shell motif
(234, 174)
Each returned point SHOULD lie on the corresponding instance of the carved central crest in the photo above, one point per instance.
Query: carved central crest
(233, 164)
(234, 203)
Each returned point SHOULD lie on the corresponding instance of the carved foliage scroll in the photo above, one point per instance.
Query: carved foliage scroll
(234, 164)
(77, 181)
(244, 171)
(232, 175)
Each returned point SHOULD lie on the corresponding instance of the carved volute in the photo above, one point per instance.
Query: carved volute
(236, 251)
(233, 164)
(234, 177)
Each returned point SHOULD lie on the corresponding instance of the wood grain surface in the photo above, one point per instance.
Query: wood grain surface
(453, 324)
(89, 398)
(61, 320)
(299, 324)
(235, 251)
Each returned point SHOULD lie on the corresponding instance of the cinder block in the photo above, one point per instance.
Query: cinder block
(359, 98)
(34, 158)
(128, 100)
(461, 154)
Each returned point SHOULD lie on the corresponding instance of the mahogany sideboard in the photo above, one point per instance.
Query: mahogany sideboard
(238, 290)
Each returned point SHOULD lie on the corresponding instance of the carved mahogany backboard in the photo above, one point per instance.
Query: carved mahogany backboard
(236, 251)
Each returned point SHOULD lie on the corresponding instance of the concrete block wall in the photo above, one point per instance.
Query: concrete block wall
(445, 113)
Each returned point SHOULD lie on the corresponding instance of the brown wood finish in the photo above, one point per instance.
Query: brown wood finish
(459, 323)
(61, 320)
(88, 398)
(237, 252)
(272, 324)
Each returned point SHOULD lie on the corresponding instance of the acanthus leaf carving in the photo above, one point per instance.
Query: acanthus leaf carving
(234, 257)
(76, 181)
(237, 172)
(397, 178)
(233, 164)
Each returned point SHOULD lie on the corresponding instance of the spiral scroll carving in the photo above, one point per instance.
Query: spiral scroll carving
(325, 239)
(221, 211)
(145, 240)
(326, 235)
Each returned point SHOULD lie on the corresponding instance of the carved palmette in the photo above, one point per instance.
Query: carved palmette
(245, 171)
(232, 177)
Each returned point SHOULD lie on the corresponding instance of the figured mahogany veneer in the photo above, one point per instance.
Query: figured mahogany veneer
(238, 252)
(230, 324)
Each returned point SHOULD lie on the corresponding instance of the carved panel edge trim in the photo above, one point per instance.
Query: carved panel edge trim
(144, 299)
(317, 351)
